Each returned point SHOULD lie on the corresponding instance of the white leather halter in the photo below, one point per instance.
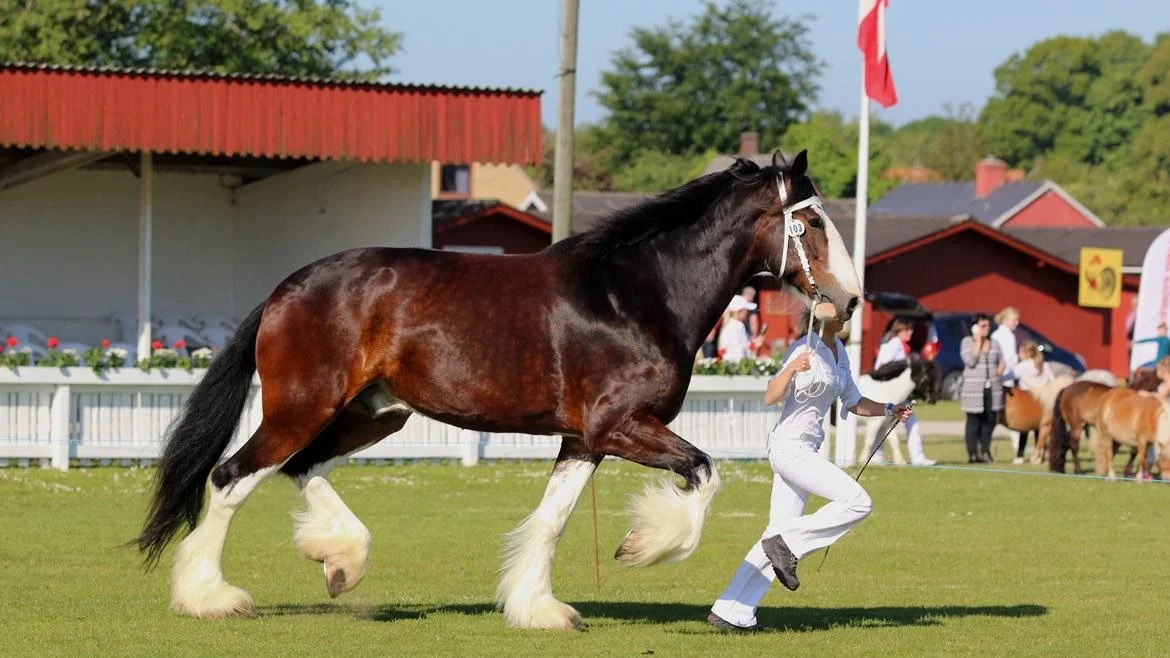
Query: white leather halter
(813, 382)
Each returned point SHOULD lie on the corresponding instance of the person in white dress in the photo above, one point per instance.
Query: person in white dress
(815, 374)
(897, 348)
(734, 341)
(1005, 337)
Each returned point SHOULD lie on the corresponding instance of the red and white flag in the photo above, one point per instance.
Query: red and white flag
(871, 38)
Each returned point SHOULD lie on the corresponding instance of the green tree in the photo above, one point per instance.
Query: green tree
(1077, 96)
(688, 87)
(949, 145)
(655, 171)
(832, 153)
(590, 169)
(322, 38)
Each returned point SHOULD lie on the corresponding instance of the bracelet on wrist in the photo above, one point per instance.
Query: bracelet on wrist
(889, 408)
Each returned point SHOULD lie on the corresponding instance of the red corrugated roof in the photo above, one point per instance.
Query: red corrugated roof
(265, 116)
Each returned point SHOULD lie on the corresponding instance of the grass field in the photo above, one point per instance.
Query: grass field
(952, 562)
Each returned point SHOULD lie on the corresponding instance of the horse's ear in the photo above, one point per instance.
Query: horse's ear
(778, 159)
(800, 164)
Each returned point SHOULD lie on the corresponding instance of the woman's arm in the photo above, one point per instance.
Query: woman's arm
(968, 352)
(867, 407)
(778, 386)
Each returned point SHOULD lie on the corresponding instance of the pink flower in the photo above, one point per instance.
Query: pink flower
(52, 342)
(180, 344)
(12, 341)
(106, 343)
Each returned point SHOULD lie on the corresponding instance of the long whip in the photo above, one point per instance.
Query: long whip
(868, 459)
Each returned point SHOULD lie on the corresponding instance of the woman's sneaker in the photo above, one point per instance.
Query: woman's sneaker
(1018, 460)
(724, 625)
(783, 561)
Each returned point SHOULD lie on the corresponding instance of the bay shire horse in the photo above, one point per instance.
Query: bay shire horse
(592, 339)
(897, 382)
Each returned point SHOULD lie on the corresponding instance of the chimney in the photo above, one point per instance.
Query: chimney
(749, 144)
(990, 173)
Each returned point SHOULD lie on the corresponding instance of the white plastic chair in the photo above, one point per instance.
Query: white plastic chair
(169, 335)
(175, 320)
(127, 322)
(217, 337)
(30, 339)
(210, 320)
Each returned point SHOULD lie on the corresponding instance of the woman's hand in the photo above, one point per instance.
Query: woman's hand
(902, 412)
(801, 363)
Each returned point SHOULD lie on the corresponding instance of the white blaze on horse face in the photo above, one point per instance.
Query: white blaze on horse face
(840, 267)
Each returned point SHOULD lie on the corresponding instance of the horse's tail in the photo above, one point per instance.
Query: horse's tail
(1058, 443)
(197, 439)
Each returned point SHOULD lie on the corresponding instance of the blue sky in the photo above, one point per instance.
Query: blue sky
(942, 51)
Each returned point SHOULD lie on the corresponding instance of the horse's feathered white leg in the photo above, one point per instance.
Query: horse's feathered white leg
(668, 521)
(197, 584)
(525, 589)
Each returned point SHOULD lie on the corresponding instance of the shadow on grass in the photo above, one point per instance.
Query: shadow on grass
(775, 619)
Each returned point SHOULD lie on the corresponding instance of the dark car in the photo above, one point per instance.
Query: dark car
(942, 333)
(953, 327)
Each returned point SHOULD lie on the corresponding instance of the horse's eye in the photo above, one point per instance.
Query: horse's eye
(816, 222)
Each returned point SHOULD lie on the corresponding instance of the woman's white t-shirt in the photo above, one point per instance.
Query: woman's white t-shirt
(734, 340)
(1029, 376)
(804, 420)
(892, 350)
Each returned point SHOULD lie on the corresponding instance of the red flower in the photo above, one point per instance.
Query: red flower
(12, 341)
(720, 353)
(180, 344)
(106, 343)
(52, 342)
(156, 345)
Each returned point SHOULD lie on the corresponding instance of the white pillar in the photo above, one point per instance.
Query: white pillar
(426, 222)
(469, 441)
(145, 221)
(847, 427)
(59, 426)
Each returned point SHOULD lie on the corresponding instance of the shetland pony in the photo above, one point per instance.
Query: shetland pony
(1137, 419)
(897, 382)
(592, 339)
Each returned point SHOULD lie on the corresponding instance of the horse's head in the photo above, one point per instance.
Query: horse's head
(817, 266)
(927, 379)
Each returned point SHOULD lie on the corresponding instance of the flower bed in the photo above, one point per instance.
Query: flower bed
(100, 359)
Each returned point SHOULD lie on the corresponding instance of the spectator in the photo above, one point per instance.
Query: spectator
(897, 348)
(1031, 371)
(982, 392)
(710, 350)
(753, 321)
(733, 336)
(1163, 345)
(1005, 337)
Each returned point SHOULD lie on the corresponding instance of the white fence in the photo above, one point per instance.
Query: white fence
(53, 416)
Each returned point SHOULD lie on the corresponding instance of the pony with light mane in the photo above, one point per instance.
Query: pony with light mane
(592, 339)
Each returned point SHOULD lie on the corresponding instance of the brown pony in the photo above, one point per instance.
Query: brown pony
(1133, 418)
(592, 339)
(1031, 411)
(1077, 407)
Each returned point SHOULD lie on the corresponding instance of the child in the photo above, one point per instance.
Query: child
(1031, 371)
(1163, 343)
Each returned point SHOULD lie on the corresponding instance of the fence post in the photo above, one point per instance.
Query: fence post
(469, 441)
(59, 426)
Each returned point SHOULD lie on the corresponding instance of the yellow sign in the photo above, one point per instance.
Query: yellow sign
(1100, 278)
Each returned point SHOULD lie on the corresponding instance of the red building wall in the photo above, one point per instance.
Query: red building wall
(1047, 211)
(494, 231)
(972, 272)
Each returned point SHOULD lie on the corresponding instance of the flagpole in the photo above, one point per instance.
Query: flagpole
(847, 427)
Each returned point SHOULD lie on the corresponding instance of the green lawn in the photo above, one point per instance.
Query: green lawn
(941, 410)
(952, 562)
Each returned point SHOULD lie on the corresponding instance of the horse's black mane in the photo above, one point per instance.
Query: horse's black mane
(682, 206)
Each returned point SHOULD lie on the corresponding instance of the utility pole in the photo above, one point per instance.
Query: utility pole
(563, 165)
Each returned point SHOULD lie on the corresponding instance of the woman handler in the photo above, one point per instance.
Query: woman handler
(815, 374)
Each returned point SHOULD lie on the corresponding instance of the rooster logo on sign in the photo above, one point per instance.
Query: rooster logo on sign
(1101, 279)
